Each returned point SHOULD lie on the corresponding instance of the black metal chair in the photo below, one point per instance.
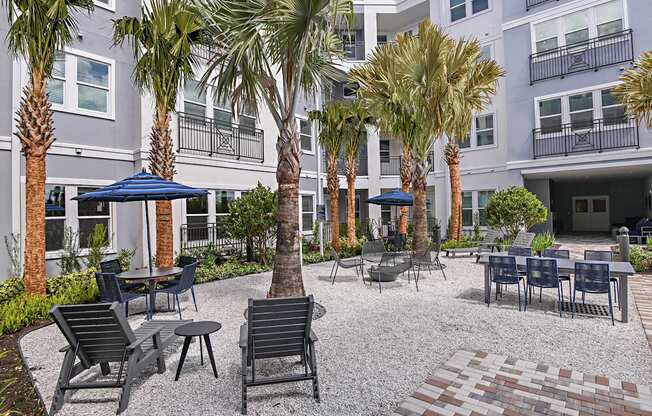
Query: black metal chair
(397, 242)
(278, 328)
(559, 254)
(543, 273)
(186, 283)
(110, 291)
(519, 251)
(113, 266)
(603, 255)
(98, 334)
(425, 260)
(352, 263)
(593, 278)
(503, 271)
(373, 251)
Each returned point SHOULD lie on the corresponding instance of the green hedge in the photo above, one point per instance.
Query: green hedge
(209, 271)
(640, 258)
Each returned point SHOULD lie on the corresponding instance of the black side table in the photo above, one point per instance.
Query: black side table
(197, 329)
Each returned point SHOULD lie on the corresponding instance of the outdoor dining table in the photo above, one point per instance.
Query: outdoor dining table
(620, 269)
(150, 277)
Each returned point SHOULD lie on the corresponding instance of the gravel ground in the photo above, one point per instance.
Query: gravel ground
(374, 349)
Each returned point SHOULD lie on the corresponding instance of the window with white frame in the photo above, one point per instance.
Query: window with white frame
(475, 201)
(82, 217)
(202, 102)
(222, 201)
(580, 26)
(460, 9)
(305, 134)
(486, 52)
(482, 132)
(467, 208)
(197, 211)
(82, 83)
(105, 4)
(89, 215)
(483, 200)
(307, 212)
(385, 214)
(194, 99)
(579, 110)
(384, 151)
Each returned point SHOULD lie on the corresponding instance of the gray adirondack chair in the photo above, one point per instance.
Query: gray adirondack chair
(523, 239)
(278, 328)
(99, 334)
(488, 243)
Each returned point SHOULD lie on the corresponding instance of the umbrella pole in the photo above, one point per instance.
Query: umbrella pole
(149, 242)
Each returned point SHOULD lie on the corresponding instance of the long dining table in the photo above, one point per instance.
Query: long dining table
(619, 269)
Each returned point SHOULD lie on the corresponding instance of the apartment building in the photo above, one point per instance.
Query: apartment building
(553, 125)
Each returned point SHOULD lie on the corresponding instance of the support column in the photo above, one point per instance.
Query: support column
(373, 160)
(370, 31)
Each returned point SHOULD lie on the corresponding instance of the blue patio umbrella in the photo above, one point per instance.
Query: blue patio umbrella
(393, 198)
(144, 187)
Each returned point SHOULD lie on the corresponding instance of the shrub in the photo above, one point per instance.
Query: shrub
(640, 259)
(542, 241)
(463, 242)
(209, 271)
(252, 218)
(513, 209)
(11, 288)
(98, 243)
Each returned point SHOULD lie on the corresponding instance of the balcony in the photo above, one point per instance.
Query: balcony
(341, 165)
(392, 166)
(203, 135)
(600, 135)
(582, 56)
(530, 4)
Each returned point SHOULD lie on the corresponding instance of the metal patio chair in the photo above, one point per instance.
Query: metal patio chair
(593, 278)
(113, 266)
(99, 334)
(110, 291)
(604, 255)
(503, 271)
(278, 328)
(352, 263)
(523, 239)
(186, 283)
(559, 254)
(543, 273)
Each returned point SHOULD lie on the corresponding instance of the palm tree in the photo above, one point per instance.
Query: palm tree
(406, 178)
(417, 89)
(355, 136)
(256, 40)
(331, 120)
(38, 30)
(162, 41)
(635, 92)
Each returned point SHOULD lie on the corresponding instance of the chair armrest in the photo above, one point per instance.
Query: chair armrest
(313, 336)
(64, 349)
(243, 336)
(144, 338)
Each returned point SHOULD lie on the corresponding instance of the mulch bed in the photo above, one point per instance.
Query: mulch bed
(20, 395)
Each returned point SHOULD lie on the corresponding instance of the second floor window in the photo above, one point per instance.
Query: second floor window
(579, 27)
(305, 134)
(460, 9)
(481, 134)
(384, 151)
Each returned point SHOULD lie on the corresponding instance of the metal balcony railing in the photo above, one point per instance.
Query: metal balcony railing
(582, 56)
(214, 235)
(392, 166)
(529, 4)
(207, 136)
(341, 165)
(596, 136)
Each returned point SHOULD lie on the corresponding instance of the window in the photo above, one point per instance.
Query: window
(197, 211)
(580, 111)
(55, 216)
(483, 200)
(222, 201)
(305, 134)
(194, 99)
(465, 143)
(82, 83)
(357, 206)
(580, 26)
(381, 39)
(485, 53)
(484, 130)
(246, 118)
(307, 213)
(105, 4)
(385, 214)
(90, 214)
(462, 8)
(384, 151)
(467, 209)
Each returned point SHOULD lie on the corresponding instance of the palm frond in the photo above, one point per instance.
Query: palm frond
(635, 91)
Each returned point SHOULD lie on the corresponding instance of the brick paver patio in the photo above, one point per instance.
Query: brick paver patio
(641, 288)
(480, 383)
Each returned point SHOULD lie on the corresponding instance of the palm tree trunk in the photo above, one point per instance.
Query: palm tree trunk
(287, 279)
(333, 183)
(420, 242)
(452, 153)
(36, 135)
(351, 173)
(406, 177)
(162, 164)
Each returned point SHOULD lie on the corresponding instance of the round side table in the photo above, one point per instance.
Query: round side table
(201, 329)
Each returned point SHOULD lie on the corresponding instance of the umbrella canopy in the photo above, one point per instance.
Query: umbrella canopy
(393, 198)
(143, 186)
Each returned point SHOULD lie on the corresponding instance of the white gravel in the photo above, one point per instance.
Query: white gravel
(374, 349)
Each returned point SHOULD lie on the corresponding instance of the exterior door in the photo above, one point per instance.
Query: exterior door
(591, 213)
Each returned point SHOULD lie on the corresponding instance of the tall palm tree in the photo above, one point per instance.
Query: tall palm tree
(636, 89)
(418, 86)
(162, 42)
(406, 178)
(37, 30)
(355, 136)
(331, 120)
(255, 40)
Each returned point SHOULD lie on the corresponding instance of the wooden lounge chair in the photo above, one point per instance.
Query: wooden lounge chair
(278, 328)
(99, 334)
(487, 244)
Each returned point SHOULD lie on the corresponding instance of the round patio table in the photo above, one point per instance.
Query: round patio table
(150, 277)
